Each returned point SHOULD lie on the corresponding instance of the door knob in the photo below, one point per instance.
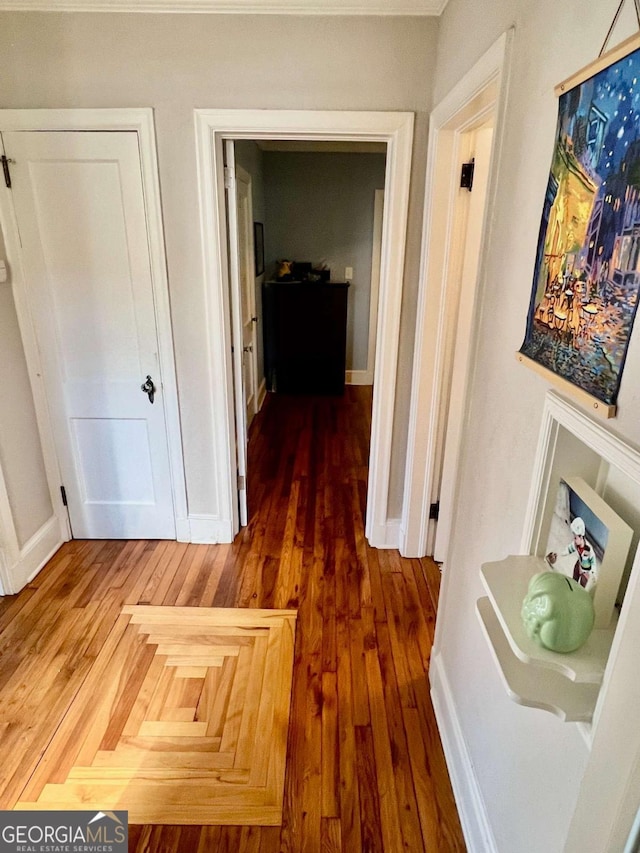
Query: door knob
(149, 388)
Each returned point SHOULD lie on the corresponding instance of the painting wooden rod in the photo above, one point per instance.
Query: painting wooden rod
(613, 55)
(603, 410)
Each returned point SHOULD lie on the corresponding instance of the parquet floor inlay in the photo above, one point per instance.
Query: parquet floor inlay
(182, 719)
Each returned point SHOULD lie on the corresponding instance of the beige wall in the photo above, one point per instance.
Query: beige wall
(176, 63)
(529, 764)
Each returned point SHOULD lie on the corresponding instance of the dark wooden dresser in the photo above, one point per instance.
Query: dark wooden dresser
(305, 335)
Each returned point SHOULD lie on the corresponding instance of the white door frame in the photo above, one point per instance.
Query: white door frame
(480, 91)
(394, 129)
(234, 174)
(140, 121)
(365, 377)
(9, 542)
(252, 356)
(466, 250)
(242, 176)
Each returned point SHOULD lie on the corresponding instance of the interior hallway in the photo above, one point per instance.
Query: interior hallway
(365, 768)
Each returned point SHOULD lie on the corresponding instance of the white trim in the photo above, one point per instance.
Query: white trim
(32, 556)
(472, 98)
(3, 571)
(210, 176)
(470, 231)
(209, 530)
(237, 337)
(157, 253)
(262, 393)
(387, 535)
(183, 530)
(236, 7)
(20, 564)
(38, 551)
(140, 121)
(396, 130)
(359, 377)
(127, 118)
(243, 177)
(374, 290)
(612, 450)
(9, 226)
(9, 546)
(466, 788)
(12, 120)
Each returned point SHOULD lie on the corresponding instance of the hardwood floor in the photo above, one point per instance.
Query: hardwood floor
(365, 770)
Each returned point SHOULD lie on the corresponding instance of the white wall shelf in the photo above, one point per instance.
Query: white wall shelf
(506, 583)
(532, 685)
(572, 686)
(566, 685)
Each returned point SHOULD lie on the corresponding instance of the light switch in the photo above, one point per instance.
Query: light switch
(348, 273)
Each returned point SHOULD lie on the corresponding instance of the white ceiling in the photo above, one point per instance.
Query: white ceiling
(248, 7)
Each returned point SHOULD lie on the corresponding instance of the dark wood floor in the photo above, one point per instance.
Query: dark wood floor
(365, 769)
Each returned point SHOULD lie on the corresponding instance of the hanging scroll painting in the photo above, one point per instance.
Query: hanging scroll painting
(587, 272)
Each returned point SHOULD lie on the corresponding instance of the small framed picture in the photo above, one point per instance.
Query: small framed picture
(588, 542)
(258, 243)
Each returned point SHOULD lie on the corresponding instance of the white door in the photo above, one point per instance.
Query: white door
(243, 319)
(80, 212)
(246, 275)
(454, 384)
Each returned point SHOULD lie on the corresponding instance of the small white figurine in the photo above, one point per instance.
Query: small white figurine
(584, 571)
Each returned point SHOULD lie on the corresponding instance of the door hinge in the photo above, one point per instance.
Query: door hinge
(466, 175)
(5, 169)
(228, 178)
(434, 511)
(242, 483)
(63, 492)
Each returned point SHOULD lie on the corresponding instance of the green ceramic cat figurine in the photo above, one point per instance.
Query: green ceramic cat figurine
(557, 612)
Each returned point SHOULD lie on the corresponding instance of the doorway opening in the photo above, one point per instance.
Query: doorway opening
(395, 130)
(305, 224)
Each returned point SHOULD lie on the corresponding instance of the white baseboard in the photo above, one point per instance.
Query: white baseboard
(32, 557)
(358, 377)
(406, 548)
(183, 530)
(3, 571)
(466, 790)
(262, 393)
(209, 530)
(386, 536)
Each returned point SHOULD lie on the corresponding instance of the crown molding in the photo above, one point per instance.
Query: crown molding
(386, 8)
